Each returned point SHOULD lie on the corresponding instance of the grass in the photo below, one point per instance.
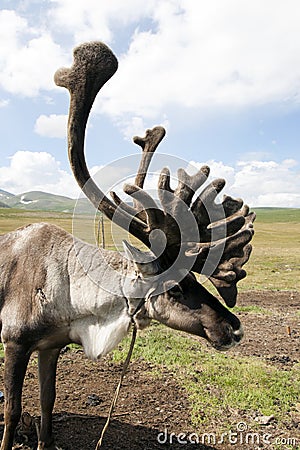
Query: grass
(10, 219)
(254, 309)
(275, 259)
(216, 382)
(278, 215)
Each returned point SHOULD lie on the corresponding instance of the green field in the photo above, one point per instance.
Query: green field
(239, 383)
(275, 260)
(274, 263)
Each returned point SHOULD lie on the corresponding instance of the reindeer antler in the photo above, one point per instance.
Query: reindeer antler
(229, 229)
(200, 235)
(224, 230)
(94, 64)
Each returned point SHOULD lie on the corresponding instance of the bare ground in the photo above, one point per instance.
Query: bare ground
(149, 404)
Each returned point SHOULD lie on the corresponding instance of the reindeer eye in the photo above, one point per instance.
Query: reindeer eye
(176, 291)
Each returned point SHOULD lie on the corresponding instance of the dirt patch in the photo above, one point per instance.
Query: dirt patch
(274, 334)
(150, 402)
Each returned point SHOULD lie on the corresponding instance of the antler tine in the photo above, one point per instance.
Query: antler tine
(249, 219)
(155, 216)
(204, 203)
(218, 220)
(164, 187)
(205, 210)
(223, 263)
(228, 290)
(189, 184)
(186, 187)
(164, 180)
(94, 64)
(127, 208)
(231, 270)
(231, 205)
(222, 250)
(228, 207)
(227, 229)
(149, 144)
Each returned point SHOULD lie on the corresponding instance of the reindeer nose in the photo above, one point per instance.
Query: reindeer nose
(238, 334)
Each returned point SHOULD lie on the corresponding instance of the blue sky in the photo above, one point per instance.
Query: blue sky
(223, 77)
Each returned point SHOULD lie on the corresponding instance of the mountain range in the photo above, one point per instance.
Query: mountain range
(43, 201)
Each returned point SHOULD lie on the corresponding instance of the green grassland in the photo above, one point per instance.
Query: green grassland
(11, 218)
(275, 259)
(217, 382)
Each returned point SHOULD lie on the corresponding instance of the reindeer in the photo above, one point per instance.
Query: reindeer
(56, 289)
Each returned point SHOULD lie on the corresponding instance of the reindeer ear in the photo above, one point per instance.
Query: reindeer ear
(145, 262)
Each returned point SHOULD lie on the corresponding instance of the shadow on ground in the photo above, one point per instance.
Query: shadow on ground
(81, 432)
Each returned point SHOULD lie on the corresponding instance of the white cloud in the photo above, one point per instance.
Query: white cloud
(260, 183)
(184, 53)
(136, 126)
(269, 183)
(209, 55)
(36, 171)
(29, 57)
(54, 126)
(181, 54)
(4, 103)
(40, 171)
(95, 19)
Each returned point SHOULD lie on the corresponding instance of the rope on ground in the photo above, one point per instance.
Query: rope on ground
(115, 398)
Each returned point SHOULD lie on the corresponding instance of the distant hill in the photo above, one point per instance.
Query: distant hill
(37, 200)
(3, 205)
(4, 196)
(42, 201)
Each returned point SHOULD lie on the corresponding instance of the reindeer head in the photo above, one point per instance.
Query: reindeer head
(186, 232)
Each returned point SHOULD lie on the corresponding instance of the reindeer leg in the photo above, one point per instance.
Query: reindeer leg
(47, 374)
(16, 360)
